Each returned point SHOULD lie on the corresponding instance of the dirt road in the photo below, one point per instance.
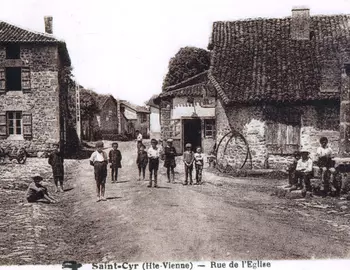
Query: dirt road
(223, 219)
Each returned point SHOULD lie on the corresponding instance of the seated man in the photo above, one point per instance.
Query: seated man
(291, 170)
(303, 171)
(325, 163)
(36, 191)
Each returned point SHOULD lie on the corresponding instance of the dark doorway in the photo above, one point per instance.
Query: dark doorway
(192, 133)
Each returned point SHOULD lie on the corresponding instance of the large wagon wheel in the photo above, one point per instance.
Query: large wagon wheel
(22, 156)
(238, 149)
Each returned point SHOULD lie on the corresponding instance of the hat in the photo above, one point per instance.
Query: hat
(304, 152)
(37, 176)
(99, 144)
(114, 143)
(154, 141)
(188, 145)
(169, 140)
(160, 140)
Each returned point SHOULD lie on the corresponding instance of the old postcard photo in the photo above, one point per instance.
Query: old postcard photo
(198, 134)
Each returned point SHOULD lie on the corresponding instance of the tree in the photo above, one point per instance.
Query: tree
(88, 110)
(188, 62)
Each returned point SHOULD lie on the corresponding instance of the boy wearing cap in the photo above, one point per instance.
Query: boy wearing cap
(325, 163)
(199, 162)
(188, 159)
(36, 191)
(303, 171)
(99, 160)
(115, 158)
(153, 155)
(169, 160)
(56, 162)
(142, 161)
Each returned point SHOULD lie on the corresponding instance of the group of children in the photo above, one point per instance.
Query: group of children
(302, 168)
(99, 160)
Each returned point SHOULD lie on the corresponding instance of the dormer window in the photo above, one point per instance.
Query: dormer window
(13, 51)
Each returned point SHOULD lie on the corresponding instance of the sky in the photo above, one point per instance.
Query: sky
(122, 47)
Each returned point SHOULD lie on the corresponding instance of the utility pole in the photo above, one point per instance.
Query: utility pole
(77, 109)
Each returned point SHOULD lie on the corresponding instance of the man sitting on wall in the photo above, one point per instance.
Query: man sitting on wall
(326, 165)
(303, 171)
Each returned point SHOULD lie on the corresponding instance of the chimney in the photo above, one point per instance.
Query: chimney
(300, 24)
(48, 24)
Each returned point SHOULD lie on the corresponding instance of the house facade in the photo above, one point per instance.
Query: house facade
(109, 117)
(187, 113)
(33, 92)
(154, 124)
(138, 118)
(279, 84)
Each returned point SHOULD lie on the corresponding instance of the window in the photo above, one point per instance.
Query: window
(13, 79)
(143, 118)
(14, 123)
(209, 128)
(13, 51)
(283, 132)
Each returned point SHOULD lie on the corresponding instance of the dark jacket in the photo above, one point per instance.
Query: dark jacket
(115, 157)
(169, 156)
(56, 162)
(142, 159)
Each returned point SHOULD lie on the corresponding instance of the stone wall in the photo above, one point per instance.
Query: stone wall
(41, 100)
(317, 120)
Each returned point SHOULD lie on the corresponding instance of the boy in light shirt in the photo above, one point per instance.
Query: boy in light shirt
(324, 161)
(99, 160)
(303, 171)
(153, 163)
(198, 162)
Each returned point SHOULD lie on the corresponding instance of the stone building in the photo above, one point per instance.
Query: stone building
(34, 92)
(279, 84)
(108, 117)
(187, 113)
(137, 118)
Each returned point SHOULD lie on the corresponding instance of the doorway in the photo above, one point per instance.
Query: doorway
(192, 133)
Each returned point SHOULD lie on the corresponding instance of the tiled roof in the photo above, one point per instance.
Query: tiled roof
(101, 99)
(134, 107)
(12, 33)
(199, 78)
(151, 101)
(255, 60)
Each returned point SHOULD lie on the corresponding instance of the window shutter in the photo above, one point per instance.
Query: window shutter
(3, 125)
(27, 125)
(2, 81)
(25, 74)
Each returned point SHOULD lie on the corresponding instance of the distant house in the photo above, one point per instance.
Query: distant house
(187, 112)
(279, 85)
(34, 93)
(108, 117)
(154, 118)
(138, 116)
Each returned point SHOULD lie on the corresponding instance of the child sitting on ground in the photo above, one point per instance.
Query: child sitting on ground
(36, 191)
(115, 158)
(198, 162)
(142, 161)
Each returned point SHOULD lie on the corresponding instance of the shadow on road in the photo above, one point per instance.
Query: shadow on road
(68, 189)
(119, 182)
(113, 198)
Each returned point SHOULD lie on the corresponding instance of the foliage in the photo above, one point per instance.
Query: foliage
(188, 62)
(88, 104)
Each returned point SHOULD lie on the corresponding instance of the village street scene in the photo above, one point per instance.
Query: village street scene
(238, 149)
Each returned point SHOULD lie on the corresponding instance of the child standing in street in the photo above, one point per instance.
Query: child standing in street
(153, 155)
(36, 191)
(188, 159)
(169, 160)
(142, 161)
(56, 162)
(99, 160)
(115, 158)
(199, 162)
